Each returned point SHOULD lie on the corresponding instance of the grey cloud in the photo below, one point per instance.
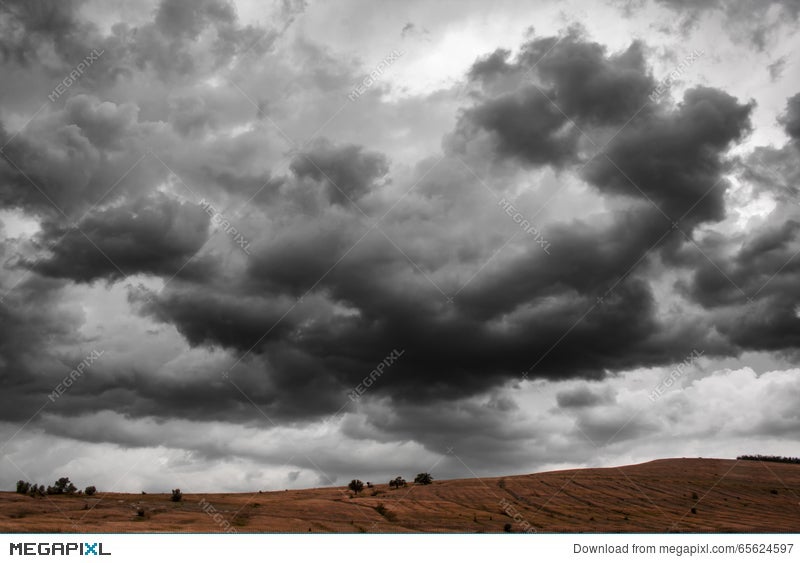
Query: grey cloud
(183, 18)
(572, 298)
(744, 19)
(580, 85)
(582, 397)
(347, 172)
(74, 158)
(153, 235)
(674, 160)
(791, 119)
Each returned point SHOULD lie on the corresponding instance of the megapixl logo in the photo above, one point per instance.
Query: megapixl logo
(82, 548)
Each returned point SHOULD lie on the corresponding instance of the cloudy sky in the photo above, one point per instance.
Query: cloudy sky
(251, 245)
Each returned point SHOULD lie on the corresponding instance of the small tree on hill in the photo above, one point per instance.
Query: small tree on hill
(177, 495)
(423, 479)
(397, 482)
(62, 486)
(356, 486)
(90, 490)
(23, 487)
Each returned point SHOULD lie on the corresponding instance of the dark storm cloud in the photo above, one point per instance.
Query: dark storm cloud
(184, 38)
(791, 119)
(207, 317)
(324, 297)
(82, 159)
(577, 84)
(594, 257)
(32, 317)
(581, 311)
(449, 345)
(670, 160)
(752, 292)
(448, 352)
(27, 24)
(674, 159)
(591, 86)
(543, 136)
(72, 158)
(155, 235)
(28, 317)
(466, 427)
(347, 172)
(168, 44)
(487, 69)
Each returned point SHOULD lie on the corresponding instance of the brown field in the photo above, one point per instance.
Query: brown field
(658, 496)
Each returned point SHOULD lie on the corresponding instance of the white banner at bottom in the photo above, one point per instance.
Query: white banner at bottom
(401, 548)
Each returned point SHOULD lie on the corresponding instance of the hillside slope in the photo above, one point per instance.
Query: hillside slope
(657, 496)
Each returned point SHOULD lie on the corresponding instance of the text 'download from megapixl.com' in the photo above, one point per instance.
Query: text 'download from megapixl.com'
(684, 550)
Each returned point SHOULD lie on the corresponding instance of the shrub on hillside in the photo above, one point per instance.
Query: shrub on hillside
(423, 479)
(772, 458)
(356, 486)
(62, 486)
(177, 495)
(90, 490)
(23, 487)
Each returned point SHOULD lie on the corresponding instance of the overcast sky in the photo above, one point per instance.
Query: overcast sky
(251, 245)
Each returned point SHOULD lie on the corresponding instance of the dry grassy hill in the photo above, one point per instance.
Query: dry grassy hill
(727, 496)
